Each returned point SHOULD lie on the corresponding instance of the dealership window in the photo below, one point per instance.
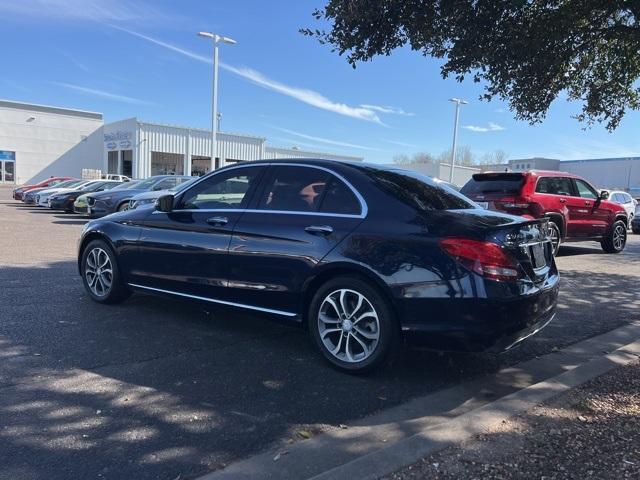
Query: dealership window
(112, 162)
(166, 163)
(202, 165)
(127, 163)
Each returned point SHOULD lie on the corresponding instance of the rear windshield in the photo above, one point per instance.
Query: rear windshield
(493, 183)
(419, 191)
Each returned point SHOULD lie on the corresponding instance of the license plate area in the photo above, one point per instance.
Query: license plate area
(537, 255)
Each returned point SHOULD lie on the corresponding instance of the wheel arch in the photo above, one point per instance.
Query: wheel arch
(88, 238)
(315, 281)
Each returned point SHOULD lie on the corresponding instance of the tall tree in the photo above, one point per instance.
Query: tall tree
(527, 51)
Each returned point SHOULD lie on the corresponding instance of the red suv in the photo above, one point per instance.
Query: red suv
(574, 207)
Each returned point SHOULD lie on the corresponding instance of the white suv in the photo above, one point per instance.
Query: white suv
(626, 200)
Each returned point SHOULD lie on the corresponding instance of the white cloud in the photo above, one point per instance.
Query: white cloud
(387, 109)
(96, 10)
(324, 140)
(102, 93)
(493, 127)
(304, 95)
(402, 144)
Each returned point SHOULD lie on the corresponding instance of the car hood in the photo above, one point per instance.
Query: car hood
(51, 191)
(128, 193)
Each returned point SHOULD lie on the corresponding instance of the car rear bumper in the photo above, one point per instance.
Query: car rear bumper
(475, 324)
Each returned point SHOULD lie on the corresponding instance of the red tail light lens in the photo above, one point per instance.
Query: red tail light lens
(484, 258)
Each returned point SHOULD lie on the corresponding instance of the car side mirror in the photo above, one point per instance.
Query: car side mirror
(604, 195)
(164, 203)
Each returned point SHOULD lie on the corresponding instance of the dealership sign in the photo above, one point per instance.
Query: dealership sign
(7, 155)
(119, 139)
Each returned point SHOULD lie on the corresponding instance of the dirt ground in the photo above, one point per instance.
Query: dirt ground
(591, 432)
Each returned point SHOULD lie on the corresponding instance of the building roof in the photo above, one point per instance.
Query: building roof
(34, 107)
(194, 129)
(612, 159)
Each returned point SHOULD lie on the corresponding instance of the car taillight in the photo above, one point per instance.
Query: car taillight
(484, 258)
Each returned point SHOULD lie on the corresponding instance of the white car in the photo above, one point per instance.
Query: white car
(114, 176)
(626, 200)
(43, 195)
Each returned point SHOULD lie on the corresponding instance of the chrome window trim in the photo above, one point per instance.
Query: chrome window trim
(364, 208)
(213, 300)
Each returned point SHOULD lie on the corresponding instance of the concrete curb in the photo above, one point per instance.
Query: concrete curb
(401, 435)
(411, 450)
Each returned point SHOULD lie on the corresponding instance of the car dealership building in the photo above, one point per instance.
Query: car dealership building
(39, 141)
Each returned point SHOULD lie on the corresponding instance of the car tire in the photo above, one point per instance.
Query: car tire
(616, 238)
(123, 206)
(353, 345)
(101, 275)
(556, 237)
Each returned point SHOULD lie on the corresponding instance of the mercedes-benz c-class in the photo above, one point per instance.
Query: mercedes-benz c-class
(366, 258)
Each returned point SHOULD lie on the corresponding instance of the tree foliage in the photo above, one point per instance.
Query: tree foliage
(526, 51)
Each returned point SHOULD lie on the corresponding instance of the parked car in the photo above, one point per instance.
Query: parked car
(102, 204)
(147, 198)
(30, 196)
(635, 223)
(627, 201)
(363, 256)
(114, 176)
(65, 200)
(42, 196)
(576, 210)
(18, 192)
(81, 206)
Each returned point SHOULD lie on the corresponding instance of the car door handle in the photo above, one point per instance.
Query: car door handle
(563, 200)
(587, 204)
(217, 221)
(319, 229)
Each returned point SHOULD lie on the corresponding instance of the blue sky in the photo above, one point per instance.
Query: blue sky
(144, 59)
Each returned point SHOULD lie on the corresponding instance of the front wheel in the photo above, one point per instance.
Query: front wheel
(616, 238)
(352, 325)
(123, 206)
(100, 274)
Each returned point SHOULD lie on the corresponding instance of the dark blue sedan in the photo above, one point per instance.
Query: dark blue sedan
(104, 203)
(364, 257)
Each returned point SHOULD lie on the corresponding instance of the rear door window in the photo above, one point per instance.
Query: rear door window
(339, 198)
(494, 183)
(554, 186)
(294, 189)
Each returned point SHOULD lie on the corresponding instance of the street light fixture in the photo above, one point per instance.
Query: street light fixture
(216, 39)
(458, 102)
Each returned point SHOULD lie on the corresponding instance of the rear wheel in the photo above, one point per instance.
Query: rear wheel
(352, 325)
(616, 239)
(554, 235)
(100, 274)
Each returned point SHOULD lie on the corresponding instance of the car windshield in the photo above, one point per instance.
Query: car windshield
(127, 185)
(182, 185)
(148, 183)
(419, 191)
(68, 183)
(91, 185)
(482, 183)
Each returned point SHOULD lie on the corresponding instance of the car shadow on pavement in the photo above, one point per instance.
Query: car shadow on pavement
(156, 388)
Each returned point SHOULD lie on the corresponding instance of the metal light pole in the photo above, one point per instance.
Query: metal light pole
(216, 39)
(458, 102)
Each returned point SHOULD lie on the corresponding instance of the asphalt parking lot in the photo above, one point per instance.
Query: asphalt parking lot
(163, 389)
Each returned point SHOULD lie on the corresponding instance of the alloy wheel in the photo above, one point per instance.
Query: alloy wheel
(348, 325)
(554, 236)
(98, 272)
(619, 237)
